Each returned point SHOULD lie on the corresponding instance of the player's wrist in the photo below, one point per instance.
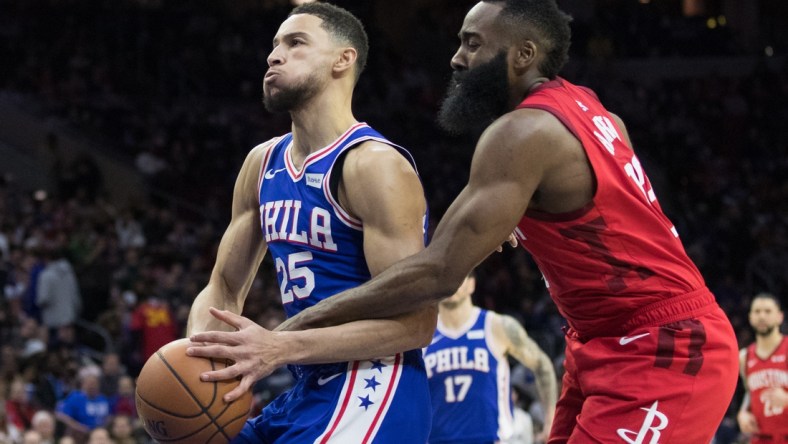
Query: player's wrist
(291, 347)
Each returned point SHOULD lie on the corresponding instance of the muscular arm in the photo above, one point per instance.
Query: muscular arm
(240, 252)
(522, 348)
(509, 162)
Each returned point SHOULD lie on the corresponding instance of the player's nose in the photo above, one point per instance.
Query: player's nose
(458, 62)
(275, 58)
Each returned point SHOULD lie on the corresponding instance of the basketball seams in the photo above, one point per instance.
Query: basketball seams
(180, 419)
(205, 409)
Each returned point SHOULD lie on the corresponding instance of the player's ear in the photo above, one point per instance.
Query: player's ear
(346, 60)
(525, 55)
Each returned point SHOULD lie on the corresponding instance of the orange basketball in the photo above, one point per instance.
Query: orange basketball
(175, 406)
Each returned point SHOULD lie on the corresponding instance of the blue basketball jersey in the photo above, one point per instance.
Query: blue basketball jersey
(469, 384)
(317, 247)
(318, 251)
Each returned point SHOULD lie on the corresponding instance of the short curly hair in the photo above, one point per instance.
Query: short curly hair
(542, 22)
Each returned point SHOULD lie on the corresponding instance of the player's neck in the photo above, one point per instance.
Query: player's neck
(765, 345)
(455, 318)
(319, 123)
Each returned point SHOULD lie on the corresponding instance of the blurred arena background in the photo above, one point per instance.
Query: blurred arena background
(124, 122)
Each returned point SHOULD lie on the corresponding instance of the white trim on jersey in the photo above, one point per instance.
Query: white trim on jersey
(295, 174)
(343, 215)
(359, 423)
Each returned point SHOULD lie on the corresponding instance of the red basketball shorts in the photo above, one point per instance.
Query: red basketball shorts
(659, 384)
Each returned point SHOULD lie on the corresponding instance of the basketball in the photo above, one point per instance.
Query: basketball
(175, 406)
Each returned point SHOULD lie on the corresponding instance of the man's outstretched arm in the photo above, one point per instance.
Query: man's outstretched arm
(508, 165)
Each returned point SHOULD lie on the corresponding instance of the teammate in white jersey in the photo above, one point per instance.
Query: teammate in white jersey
(468, 370)
(334, 203)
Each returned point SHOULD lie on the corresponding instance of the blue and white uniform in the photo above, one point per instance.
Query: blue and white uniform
(318, 251)
(469, 383)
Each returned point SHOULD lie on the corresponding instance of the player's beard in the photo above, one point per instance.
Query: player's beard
(476, 97)
(292, 98)
(765, 331)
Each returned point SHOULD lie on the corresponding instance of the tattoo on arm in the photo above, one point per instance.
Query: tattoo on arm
(527, 351)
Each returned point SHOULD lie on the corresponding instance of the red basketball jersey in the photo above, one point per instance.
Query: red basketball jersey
(619, 253)
(763, 374)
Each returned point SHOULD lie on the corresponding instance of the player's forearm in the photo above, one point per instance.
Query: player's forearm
(409, 285)
(546, 386)
(358, 340)
(211, 296)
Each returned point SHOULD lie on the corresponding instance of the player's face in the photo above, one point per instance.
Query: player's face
(479, 88)
(765, 316)
(461, 295)
(299, 65)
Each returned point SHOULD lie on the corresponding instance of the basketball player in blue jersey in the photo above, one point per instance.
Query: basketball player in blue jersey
(468, 372)
(335, 203)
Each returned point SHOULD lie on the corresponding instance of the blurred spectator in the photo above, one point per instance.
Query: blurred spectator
(86, 408)
(124, 403)
(154, 325)
(9, 433)
(111, 372)
(18, 409)
(58, 291)
(31, 437)
(121, 430)
(99, 435)
(44, 424)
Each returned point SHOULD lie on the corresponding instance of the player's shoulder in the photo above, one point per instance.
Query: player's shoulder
(504, 325)
(373, 157)
(261, 150)
(541, 131)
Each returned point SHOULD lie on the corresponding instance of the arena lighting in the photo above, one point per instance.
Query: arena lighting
(301, 2)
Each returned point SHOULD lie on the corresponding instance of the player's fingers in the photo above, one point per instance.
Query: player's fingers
(229, 318)
(221, 375)
(210, 351)
(243, 387)
(214, 337)
(513, 240)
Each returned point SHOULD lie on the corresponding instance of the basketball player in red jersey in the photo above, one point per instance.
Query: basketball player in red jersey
(764, 369)
(650, 356)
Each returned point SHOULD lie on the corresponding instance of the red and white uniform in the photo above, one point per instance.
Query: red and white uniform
(763, 374)
(641, 318)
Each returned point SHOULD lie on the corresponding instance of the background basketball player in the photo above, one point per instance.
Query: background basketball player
(764, 369)
(468, 368)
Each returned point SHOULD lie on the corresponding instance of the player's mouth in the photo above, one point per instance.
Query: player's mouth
(270, 76)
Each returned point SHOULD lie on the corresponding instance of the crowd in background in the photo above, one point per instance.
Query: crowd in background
(93, 286)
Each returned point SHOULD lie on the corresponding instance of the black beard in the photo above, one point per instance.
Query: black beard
(765, 332)
(292, 98)
(475, 97)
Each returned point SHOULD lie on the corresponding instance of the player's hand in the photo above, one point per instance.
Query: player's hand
(511, 240)
(777, 397)
(747, 422)
(252, 349)
(542, 436)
